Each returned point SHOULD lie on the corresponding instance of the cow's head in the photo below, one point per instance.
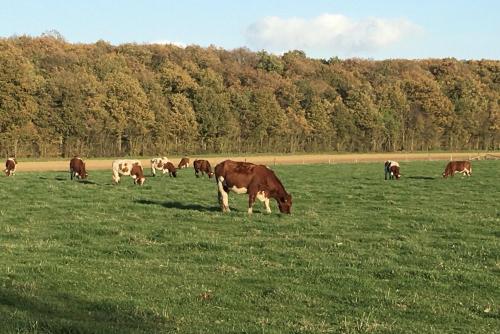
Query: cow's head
(285, 203)
(173, 170)
(84, 172)
(395, 172)
(137, 174)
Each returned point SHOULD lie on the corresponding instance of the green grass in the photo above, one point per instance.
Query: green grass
(358, 254)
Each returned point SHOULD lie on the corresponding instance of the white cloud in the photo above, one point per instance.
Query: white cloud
(329, 33)
(166, 42)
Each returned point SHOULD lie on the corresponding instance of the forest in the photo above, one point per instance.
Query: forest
(59, 99)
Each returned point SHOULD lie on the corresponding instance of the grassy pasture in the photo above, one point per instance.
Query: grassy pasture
(358, 254)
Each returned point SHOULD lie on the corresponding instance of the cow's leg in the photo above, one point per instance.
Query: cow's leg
(251, 201)
(116, 178)
(261, 196)
(223, 195)
(153, 171)
(71, 174)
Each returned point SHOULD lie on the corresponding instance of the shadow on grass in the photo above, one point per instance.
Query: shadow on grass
(178, 205)
(421, 177)
(57, 178)
(60, 178)
(86, 182)
(63, 313)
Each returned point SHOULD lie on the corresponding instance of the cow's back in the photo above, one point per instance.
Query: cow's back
(124, 166)
(76, 163)
(243, 174)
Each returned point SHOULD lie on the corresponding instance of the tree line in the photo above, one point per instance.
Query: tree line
(61, 99)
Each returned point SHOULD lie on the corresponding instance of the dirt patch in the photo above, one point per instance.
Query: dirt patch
(264, 159)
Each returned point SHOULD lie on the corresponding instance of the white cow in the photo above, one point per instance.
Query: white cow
(128, 167)
(157, 163)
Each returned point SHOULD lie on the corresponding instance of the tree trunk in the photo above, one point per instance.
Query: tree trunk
(119, 144)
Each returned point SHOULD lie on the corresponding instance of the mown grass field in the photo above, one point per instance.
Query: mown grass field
(358, 254)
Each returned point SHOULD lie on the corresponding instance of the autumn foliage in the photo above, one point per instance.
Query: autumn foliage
(60, 99)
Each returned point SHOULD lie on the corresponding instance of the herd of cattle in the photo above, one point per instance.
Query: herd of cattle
(258, 181)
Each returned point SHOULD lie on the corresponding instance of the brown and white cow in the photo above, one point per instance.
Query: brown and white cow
(453, 167)
(128, 167)
(184, 163)
(157, 163)
(10, 166)
(77, 168)
(170, 169)
(257, 181)
(202, 167)
(391, 169)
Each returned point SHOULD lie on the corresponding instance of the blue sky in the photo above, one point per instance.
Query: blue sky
(323, 29)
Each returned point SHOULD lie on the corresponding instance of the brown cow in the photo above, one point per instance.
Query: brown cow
(202, 167)
(170, 169)
(257, 181)
(457, 166)
(10, 166)
(391, 168)
(184, 163)
(77, 168)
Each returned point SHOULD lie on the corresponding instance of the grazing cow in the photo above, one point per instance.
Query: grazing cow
(257, 181)
(202, 167)
(157, 163)
(391, 169)
(170, 169)
(453, 167)
(184, 163)
(10, 166)
(128, 167)
(77, 168)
